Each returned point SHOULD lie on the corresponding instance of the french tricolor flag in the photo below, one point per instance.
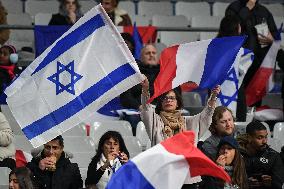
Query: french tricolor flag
(261, 82)
(206, 63)
(166, 166)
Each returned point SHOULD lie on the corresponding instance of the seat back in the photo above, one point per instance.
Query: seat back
(152, 8)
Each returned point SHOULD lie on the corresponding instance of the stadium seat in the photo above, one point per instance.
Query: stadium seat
(190, 9)
(207, 35)
(4, 178)
(276, 9)
(21, 38)
(42, 19)
(142, 136)
(83, 172)
(99, 128)
(128, 6)
(142, 20)
(34, 7)
(206, 135)
(278, 131)
(151, 8)
(169, 21)
(22, 143)
(219, 8)
(75, 144)
(160, 47)
(278, 21)
(133, 145)
(79, 130)
(275, 144)
(83, 159)
(87, 5)
(13, 6)
(206, 21)
(13, 123)
(173, 38)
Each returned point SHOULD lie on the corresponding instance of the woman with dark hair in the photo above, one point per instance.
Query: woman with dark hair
(229, 157)
(69, 13)
(111, 155)
(21, 178)
(166, 120)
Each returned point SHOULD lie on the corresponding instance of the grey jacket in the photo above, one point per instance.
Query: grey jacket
(7, 148)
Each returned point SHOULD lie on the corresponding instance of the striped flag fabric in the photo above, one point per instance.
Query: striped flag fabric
(166, 166)
(88, 66)
(206, 63)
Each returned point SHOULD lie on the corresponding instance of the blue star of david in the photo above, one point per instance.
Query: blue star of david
(74, 77)
(227, 100)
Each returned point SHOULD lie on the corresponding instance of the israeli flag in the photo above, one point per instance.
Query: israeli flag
(229, 88)
(84, 69)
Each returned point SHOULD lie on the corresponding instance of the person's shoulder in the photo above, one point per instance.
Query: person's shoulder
(235, 5)
(262, 8)
(119, 11)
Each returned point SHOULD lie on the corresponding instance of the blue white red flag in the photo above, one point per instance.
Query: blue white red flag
(166, 165)
(206, 63)
(88, 66)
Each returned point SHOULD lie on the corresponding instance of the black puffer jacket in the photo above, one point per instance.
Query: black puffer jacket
(66, 176)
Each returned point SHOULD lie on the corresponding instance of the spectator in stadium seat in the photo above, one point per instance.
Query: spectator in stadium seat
(148, 66)
(4, 33)
(111, 155)
(21, 178)
(118, 16)
(264, 166)
(8, 67)
(69, 13)
(7, 148)
(251, 13)
(53, 169)
(229, 157)
(166, 120)
(222, 125)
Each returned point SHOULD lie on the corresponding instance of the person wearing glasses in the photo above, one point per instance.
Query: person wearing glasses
(69, 13)
(166, 120)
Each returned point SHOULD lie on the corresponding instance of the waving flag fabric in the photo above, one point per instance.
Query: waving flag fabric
(205, 63)
(229, 88)
(258, 86)
(84, 69)
(166, 166)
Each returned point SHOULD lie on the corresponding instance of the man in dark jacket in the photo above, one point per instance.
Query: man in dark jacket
(52, 170)
(264, 166)
(252, 13)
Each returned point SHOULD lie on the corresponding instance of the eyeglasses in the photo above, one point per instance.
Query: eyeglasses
(165, 98)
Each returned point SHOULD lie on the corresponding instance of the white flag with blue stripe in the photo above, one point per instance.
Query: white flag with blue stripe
(229, 88)
(84, 69)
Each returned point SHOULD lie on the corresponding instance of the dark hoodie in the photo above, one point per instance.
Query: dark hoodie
(249, 19)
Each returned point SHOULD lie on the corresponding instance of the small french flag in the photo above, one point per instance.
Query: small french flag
(205, 63)
(166, 166)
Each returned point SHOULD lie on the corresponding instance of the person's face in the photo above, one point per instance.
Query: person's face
(229, 153)
(53, 148)
(149, 55)
(110, 146)
(259, 140)
(70, 5)
(169, 102)
(4, 56)
(109, 5)
(13, 182)
(225, 125)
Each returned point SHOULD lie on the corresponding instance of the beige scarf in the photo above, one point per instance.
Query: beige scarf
(173, 121)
